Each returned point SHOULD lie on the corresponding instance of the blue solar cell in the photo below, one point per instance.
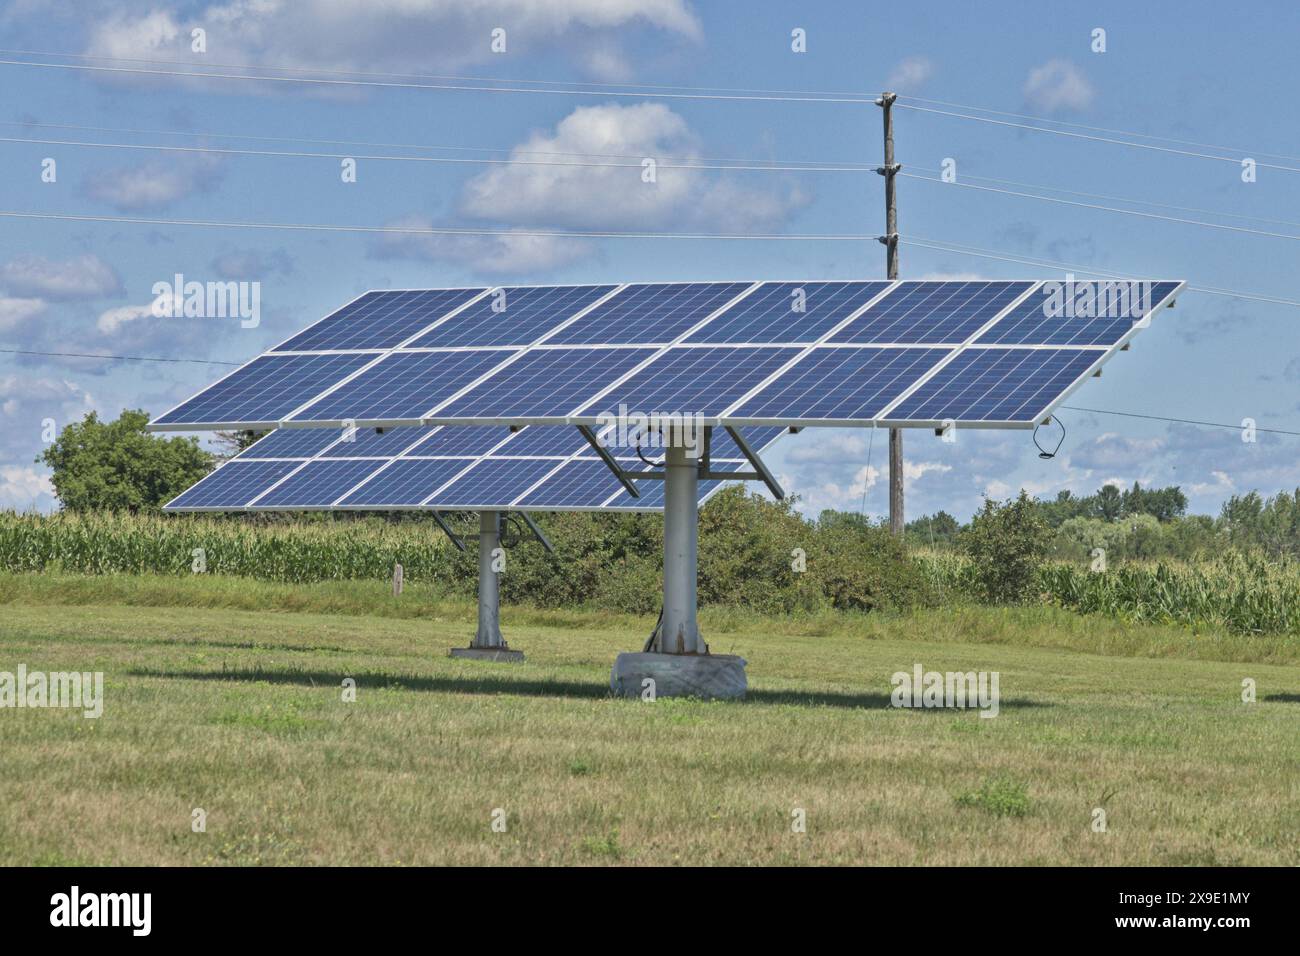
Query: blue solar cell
(544, 440)
(367, 442)
(403, 385)
(318, 483)
(996, 385)
(290, 443)
(841, 383)
(772, 314)
(265, 390)
(649, 314)
(545, 382)
(577, 484)
(512, 316)
(460, 441)
(925, 313)
(232, 485)
(406, 482)
(693, 381)
(378, 320)
(1079, 313)
(492, 482)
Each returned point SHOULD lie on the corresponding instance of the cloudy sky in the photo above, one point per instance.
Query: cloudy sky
(81, 285)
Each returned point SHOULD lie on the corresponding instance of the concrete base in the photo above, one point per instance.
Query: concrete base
(706, 676)
(499, 654)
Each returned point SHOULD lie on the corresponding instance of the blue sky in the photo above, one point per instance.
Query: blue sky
(1172, 70)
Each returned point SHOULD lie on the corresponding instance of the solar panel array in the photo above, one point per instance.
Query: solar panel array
(980, 353)
(444, 469)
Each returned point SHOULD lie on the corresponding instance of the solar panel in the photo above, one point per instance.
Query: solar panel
(544, 383)
(735, 352)
(993, 385)
(512, 316)
(265, 390)
(650, 313)
(693, 380)
(835, 384)
(401, 385)
(1041, 321)
(788, 312)
(379, 320)
(452, 468)
(923, 313)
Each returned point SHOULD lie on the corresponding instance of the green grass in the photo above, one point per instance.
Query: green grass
(226, 695)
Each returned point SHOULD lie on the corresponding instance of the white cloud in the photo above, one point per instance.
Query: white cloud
(488, 254)
(113, 319)
(954, 276)
(1222, 485)
(605, 62)
(23, 487)
(1058, 85)
(910, 74)
(246, 265)
(383, 35)
(84, 277)
(24, 397)
(153, 184)
(16, 311)
(596, 197)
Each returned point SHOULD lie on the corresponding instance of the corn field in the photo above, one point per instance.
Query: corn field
(295, 553)
(1240, 593)
(1243, 594)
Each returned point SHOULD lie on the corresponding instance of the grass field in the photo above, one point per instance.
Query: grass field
(216, 703)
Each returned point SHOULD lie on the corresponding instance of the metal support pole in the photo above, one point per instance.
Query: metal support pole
(680, 633)
(489, 626)
(890, 239)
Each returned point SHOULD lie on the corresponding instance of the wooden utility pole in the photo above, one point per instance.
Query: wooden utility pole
(890, 240)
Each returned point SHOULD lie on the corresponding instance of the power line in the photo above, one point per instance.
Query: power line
(476, 160)
(649, 89)
(866, 167)
(1073, 408)
(116, 358)
(198, 74)
(439, 76)
(1129, 199)
(1086, 205)
(945, 246)
(1097, 129)
(440, 230)
(1098, 139)
(1180, 421)
(939, 245)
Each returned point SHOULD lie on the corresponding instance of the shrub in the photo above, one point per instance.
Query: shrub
(863, 567)
(1007, 542)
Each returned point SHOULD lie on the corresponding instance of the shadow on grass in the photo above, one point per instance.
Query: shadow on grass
(1282, 698)
(526, 688)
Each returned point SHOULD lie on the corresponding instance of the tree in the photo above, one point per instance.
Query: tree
(118, 466)
(1007, 543)
(1108, 503)
(232, 443)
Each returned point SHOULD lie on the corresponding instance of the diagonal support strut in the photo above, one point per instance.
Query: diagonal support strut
(768, 478)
